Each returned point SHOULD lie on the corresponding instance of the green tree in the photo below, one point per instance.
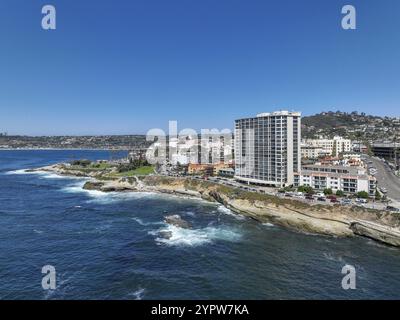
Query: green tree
(377, 195)
(328, 191)
(362, 195)
(340, 193)
(305, 189)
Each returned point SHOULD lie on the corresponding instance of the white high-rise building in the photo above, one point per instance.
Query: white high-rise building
(267, 148)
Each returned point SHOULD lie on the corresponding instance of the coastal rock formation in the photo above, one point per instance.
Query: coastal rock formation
(108, 186)
(165, 234)
(177, 221)
(319, 219)
(91, 185)
(333, 220)
(376, 232)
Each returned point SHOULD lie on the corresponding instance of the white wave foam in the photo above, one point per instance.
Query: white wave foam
(138, 294)
(225, 210)
(267, 224)
(76, 187)
(20, 171)
(48, 175)
(142, 223)
(41, 173)
(195, 237)
(331, 257)
(101, 197)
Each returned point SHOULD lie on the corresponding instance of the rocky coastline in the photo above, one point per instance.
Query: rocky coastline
(336, 220)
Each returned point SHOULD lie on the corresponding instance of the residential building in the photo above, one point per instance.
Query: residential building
(211, 169)
(312, 152)
(350, 180)
(331, 147)
(267, 148)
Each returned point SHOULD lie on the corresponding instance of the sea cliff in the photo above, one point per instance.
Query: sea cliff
(332, 220)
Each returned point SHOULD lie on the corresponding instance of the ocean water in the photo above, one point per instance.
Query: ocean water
(107, 246)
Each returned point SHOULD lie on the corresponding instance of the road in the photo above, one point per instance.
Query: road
(387, 179)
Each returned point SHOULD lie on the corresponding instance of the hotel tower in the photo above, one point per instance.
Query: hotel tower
(267, 148)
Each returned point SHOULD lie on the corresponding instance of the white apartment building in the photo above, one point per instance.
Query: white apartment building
(193, 149)
(311, 152)
(331, 147)
(347, 179)
(267, 148)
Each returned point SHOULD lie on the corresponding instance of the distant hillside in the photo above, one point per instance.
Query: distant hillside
(122, 142)
(352, 125)
(356, 126)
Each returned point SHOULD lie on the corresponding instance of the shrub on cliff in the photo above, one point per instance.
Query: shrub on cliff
(82, 162)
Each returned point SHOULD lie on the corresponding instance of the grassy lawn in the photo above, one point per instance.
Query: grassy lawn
(91, 167)
(100, 166)
(142, 171)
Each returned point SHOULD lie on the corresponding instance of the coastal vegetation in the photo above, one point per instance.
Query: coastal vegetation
(105, 170)
(143, 170)
(82, 163)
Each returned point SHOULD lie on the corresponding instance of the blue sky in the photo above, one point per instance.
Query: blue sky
(126, 66)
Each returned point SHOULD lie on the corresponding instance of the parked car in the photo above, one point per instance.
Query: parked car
(321, 199)
(393, 209)
(383, 190)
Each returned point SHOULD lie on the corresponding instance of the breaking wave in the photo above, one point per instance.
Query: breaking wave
(145, 224)
(138, 294)
(101, 197)
(195, 237)
(224, 210)
(20, 171)
(267, 224)
(40, 174)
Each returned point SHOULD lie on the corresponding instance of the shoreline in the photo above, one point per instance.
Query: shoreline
(337, 220)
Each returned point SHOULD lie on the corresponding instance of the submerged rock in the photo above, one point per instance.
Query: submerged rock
(165, 234)
(177, 221)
